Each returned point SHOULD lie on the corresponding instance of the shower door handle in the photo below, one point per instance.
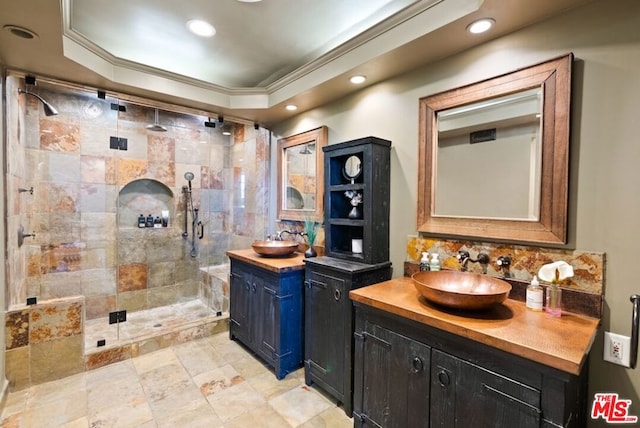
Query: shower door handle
(201, 230)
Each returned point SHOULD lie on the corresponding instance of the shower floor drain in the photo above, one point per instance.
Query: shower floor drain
(157, 325)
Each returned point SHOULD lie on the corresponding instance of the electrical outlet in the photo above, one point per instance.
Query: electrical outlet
(617, 348)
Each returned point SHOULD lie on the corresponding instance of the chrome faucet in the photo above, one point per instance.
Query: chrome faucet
(279, 233)
(503, 263)
(464, 258)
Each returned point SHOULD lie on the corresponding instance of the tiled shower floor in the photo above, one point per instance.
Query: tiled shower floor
(147, 324)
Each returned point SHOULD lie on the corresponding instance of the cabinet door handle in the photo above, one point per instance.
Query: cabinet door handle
(253, 287)
(247, 286)
(337, 294)
(417, 365)
(443, 378)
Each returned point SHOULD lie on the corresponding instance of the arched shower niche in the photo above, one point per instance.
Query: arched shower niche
(144, 197)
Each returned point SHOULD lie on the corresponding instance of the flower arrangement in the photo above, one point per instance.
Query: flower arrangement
(355, 199)
(554, 273)
(310, 229)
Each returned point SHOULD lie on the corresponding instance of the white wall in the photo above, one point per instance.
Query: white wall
(605, 147)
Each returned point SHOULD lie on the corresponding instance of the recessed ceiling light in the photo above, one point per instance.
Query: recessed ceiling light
(356, 80)
(481, 25)
(201, 28)
(21, 32)
(291, 107)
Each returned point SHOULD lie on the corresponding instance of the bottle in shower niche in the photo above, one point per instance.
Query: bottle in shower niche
(149, 221)
(142, 221)
(157, 222)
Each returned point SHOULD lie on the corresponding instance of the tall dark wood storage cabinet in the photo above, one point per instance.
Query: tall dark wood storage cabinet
(356, 220)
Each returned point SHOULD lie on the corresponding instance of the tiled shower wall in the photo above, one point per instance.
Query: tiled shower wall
(86, 243)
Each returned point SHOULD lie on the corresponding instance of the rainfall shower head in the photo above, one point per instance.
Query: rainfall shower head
(189, 176)
(49, 110)
(156, 127)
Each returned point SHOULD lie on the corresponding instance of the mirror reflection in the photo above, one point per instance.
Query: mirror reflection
(352, 168)
(300, 175)
(496, 142)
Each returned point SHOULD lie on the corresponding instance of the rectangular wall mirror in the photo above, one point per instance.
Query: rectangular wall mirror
(301, 175)
(493, 157)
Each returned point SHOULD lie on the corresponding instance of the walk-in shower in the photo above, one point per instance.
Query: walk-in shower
(196, 225)
(89, 257)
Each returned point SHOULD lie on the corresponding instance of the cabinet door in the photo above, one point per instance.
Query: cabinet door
(396, 381)
(267, 320)
(325, 302)
(240, 304)
(466, 395)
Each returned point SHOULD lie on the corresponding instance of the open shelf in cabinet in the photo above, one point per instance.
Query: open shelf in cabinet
(369, 221)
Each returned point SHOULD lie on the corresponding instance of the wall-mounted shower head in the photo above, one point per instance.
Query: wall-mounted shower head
(156, 127)
(189, 176)
(49, 110)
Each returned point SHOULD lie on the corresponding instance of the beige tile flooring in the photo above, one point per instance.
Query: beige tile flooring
(209, 382)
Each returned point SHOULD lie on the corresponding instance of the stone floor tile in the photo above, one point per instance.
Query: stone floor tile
(133, 415)
(250, 366)
(201, 415)
(217, 380)
(58, 412)
(263, 417)
(111, 372)
(118, 392)
(334, 417)
(235, 401)
(270, 387)
(300, 405)
(153, 360)
(198, 357)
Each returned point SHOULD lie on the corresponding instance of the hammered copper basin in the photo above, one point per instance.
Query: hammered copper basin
(274, 248)
(461, 290)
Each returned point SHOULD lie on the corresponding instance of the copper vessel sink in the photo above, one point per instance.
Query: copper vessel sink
(274, 248)
(461, 290)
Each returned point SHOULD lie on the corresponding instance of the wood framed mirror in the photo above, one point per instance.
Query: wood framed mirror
(494, 157)
(301, 175)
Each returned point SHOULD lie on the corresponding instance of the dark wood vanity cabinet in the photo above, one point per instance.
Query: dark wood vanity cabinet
(410, 375)
(395, 390)
(329, 321)
(266, 314)
(357, 175)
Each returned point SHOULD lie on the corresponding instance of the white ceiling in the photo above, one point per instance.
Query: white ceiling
(264, 54)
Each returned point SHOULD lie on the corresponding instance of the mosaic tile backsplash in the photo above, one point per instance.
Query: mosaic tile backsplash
(525, 261)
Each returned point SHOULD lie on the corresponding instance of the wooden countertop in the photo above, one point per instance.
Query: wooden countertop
(274, 264)
(562, 343)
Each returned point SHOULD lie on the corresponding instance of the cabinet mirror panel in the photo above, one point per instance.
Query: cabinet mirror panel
(493, 157)
(300, 175)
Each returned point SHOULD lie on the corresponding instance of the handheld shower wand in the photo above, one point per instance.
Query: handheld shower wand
(188, 206)
(189, 176)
